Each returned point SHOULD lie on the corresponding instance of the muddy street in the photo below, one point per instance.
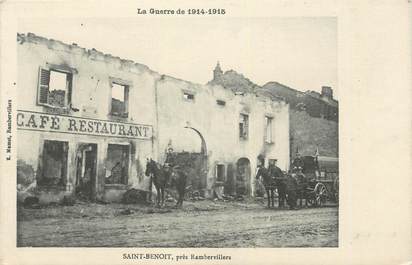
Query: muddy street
(198, 224)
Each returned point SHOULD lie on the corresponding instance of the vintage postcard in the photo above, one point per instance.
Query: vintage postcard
(204, 132)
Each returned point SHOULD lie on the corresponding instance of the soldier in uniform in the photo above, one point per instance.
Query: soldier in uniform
(170, 158)
(276, 173)
(291, 187)
(298, 163)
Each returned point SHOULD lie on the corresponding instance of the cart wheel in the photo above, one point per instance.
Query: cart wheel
(311, 198)
(336, 189)
(320, 194)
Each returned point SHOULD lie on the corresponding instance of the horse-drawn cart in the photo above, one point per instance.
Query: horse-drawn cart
(322, 174)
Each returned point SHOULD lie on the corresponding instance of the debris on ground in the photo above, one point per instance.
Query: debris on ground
(198, 224)
(126, 212)
(31, 202)
(135, 196)
(99, 201)
(169, 198)
(159, 210)
(204, 209)
(83, 196)
(196, 196)
(240, 198)
(228, 197)
(68, 201)
(217, 194)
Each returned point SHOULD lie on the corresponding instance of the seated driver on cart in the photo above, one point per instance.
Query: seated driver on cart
(297, 163)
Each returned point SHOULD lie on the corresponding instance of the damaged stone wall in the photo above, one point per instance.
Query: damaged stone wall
(92, 75)
(176, 109)
(219, 126)
(25, 174)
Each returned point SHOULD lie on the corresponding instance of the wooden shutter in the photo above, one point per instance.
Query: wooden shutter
(69, 82)
(43, 86)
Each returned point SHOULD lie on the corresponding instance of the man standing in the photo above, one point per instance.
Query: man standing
(277, 174)
(291, 186)
(298, 163)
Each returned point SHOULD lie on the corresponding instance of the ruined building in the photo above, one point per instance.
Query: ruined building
(87, 122)
(313, 116)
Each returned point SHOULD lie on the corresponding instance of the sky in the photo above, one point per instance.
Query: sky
(298, 52)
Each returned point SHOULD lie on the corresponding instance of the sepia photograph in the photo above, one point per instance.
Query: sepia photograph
(148, 142)
(205, 132)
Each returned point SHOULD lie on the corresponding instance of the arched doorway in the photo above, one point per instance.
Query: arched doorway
(199, 163)
(243, 173)
(194, 162)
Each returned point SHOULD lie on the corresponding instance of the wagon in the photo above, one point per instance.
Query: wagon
(322, 172)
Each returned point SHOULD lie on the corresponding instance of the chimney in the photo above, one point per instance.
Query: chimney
(327, 92)
(217, 73)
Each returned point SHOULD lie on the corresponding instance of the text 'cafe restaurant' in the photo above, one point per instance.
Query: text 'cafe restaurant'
(97, 159)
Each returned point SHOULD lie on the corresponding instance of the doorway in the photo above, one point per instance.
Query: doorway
(86, 171)
(243, 176)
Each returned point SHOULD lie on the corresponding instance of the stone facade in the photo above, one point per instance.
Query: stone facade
(313, 116)
(112, 114)
(215, 113)
(86, 154)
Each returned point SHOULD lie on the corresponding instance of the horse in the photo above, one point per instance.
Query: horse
(269, 184)
(179, 179)
(281, 188)
(160, 177)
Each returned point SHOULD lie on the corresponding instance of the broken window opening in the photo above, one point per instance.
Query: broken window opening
(54, 88)
(244, 126)
(54, 170)
(119, 103)
(188, 96)
(117, 164)
(268, 129)
(220, 173)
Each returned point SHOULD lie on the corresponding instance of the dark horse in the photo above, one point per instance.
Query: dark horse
(179, 179)
(269, 184)
(160, 177)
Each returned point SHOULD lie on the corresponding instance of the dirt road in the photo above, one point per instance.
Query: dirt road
(198, 224)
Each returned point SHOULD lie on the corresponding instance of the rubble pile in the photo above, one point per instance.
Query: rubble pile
(229, 198)
(135, 196)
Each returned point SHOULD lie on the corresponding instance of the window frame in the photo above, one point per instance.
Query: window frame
(188, 92)
(271, 119)
(129, 148)
(70, 72)
(244, 136)
(223, 172)
(127, 88)
(221, 103)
